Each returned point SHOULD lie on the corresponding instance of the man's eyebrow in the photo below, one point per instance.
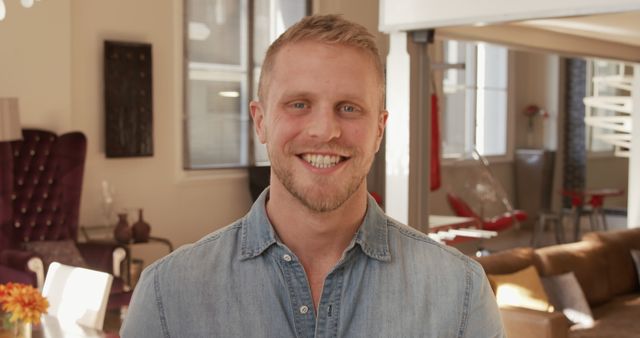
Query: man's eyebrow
(307, 95)
(296, 94)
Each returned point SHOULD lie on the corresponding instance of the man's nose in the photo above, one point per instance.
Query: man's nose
(324, 124)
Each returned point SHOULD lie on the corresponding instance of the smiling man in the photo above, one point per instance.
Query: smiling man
(315, 256)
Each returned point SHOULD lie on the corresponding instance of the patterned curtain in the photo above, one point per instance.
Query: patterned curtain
(574, 133)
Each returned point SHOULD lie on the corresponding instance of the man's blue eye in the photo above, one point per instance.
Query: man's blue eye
(348, 108)
(299, 105)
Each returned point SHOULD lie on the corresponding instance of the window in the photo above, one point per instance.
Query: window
(222, 63)
(608, 107)
(474, 111)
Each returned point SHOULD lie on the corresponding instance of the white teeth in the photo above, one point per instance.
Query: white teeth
(321, 161)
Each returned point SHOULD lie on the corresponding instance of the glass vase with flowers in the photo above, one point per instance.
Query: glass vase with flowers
(21, 306)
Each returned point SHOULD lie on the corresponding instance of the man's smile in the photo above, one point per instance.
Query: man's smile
(322, 161)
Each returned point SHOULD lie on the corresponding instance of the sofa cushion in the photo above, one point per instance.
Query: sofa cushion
(630, 238)
(521, 289)
(617, 318)
(565, 294)
(587, 260)
(635, 254)
(621, 271)
(64, 252)
(508, 261)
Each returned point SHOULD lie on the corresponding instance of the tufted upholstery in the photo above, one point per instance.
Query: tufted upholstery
(47, 184)
(40, 189)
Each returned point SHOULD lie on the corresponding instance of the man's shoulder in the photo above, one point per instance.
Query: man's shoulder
(418, 245)
(219, 243)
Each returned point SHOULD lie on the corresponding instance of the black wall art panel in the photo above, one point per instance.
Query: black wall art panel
(128, 99)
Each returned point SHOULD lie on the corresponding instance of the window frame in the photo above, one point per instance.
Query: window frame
(590, 134)
(459, 158)
(246, 70)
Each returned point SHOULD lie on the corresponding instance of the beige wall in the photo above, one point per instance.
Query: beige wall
(182, 206)
(538, 81)
(52, 60)
(35, 62)
(609, 172)
(502, 172)
(364, 12)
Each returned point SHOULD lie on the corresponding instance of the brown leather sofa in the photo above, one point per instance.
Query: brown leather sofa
(605, 270)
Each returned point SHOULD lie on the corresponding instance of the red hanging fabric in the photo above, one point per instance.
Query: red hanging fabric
(435, 144)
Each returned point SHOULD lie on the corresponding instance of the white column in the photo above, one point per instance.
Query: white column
(633, 201)
(397, 131)
(419, 129)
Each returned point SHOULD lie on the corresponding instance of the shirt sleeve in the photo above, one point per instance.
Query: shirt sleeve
(145, 317)
(484, 316)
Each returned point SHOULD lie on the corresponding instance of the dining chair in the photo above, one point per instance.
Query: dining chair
(77, 295)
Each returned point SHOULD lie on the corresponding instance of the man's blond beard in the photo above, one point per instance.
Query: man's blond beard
(323, 205)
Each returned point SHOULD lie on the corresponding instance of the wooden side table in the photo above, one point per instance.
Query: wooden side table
(104, 233)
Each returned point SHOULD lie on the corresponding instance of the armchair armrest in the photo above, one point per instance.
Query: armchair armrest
(104, 256)
(526, 323)
(25, 262)
(16, 259)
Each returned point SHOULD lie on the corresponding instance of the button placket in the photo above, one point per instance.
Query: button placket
(299, 293)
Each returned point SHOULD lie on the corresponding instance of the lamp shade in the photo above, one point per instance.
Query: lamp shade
(9, 120)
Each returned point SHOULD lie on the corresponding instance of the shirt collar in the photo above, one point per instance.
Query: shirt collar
(258, 233)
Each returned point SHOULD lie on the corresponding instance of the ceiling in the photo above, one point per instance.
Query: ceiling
(614, 36)
(618, 27)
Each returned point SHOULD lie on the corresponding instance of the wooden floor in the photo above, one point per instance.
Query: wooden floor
(521, 237)
(112, 322)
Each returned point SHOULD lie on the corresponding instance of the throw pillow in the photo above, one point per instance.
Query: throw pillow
(522, 288)
(567, 296)
(65, 252)
(635, 254)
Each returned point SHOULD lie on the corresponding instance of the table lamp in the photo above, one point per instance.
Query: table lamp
(9, 131)
(9, 120)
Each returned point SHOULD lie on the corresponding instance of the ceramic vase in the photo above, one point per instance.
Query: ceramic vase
(122, 232)
(141, 229)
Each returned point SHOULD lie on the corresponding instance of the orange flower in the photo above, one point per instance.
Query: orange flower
(5, 289)
(24, 302)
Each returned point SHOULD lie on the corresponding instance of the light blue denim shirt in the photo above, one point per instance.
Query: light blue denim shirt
(241, 281)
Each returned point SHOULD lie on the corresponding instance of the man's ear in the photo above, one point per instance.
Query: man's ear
(382, 123)
(257, 114)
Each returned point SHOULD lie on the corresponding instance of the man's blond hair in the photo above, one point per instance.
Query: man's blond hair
(330, 29)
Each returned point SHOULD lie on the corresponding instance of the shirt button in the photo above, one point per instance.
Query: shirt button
(287, 258)
(304, 309)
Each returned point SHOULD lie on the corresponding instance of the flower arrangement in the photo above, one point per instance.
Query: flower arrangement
(23, 302)
(531, 111)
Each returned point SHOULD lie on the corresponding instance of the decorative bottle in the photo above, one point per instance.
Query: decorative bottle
(122, 232)
(141, 229)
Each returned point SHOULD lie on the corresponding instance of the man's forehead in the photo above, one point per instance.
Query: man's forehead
(295, 62)
(308, 48)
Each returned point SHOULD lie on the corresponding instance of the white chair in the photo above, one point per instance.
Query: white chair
(77, 295)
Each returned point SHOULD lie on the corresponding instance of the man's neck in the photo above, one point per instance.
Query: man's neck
(311, 235)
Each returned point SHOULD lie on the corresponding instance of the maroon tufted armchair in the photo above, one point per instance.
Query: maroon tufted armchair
(40, 188)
